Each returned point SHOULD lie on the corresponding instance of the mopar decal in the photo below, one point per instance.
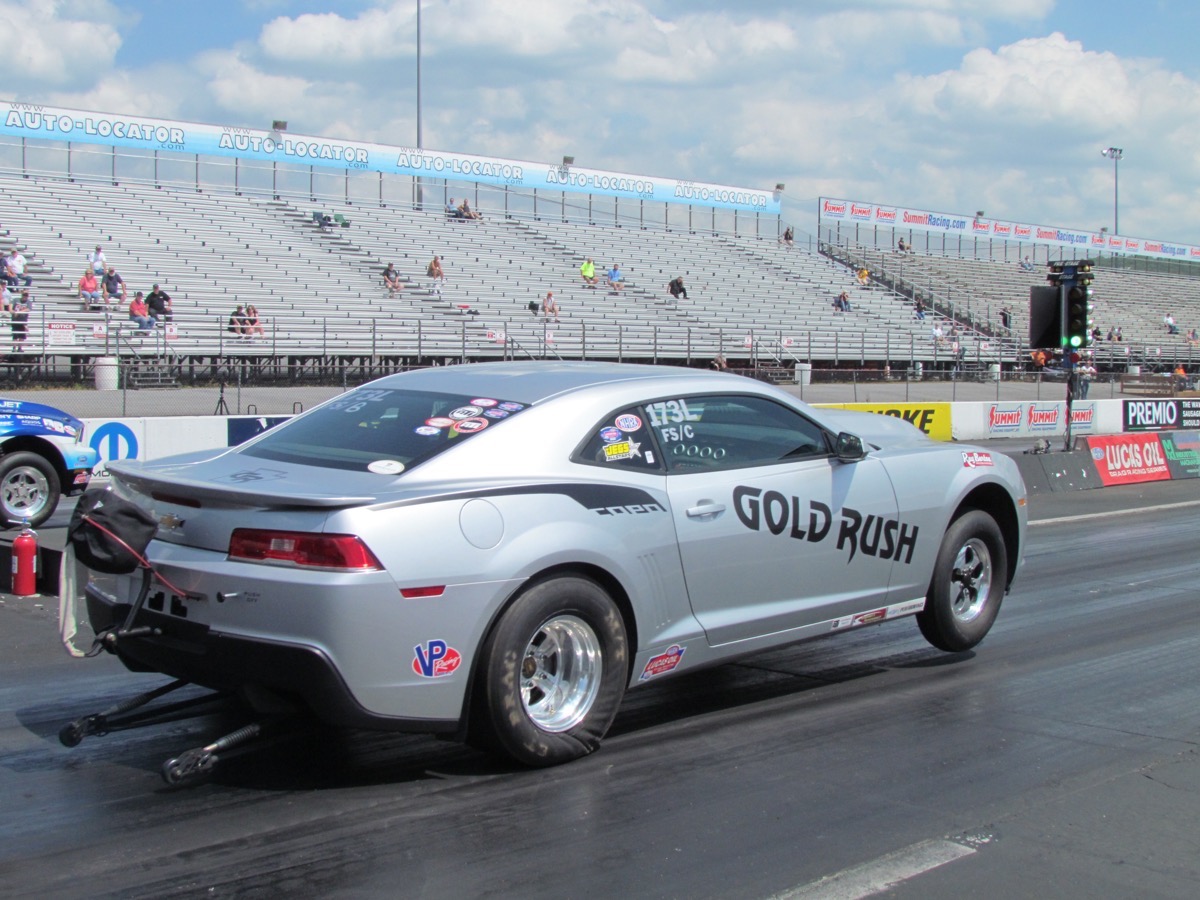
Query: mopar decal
(884, 538)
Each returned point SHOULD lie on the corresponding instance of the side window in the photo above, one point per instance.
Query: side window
(622, 440)
(731, 432)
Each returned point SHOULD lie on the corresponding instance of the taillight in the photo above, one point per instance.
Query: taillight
(299, 548)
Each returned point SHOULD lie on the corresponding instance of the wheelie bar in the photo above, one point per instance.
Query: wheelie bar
(123, 715)
(200, 761)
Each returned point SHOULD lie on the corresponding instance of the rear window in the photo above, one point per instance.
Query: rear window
(380, 430)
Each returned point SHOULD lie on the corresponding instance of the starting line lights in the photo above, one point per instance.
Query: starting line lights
(1066, 315)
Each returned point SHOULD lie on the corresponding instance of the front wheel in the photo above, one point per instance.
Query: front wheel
(552, 674)
(29, 489)
(967, 585)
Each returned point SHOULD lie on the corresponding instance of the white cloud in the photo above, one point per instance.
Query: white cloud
(56, 43)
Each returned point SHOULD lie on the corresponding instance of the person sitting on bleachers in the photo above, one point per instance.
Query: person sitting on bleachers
(97, 263)
(789, 236)
(1026, 265)
(616, 281)
(158, 302)
(252, 325)
(863, 276)
(114, 286)
(588, 273)
(14, 268)
(465, 211)
(435, 271)
(391, 280)
(90, 293)
(237, 322)
(675, 286)
(140, 313)
(452, 211)
(550, 307)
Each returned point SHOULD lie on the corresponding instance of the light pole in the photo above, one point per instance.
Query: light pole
(1115, 154)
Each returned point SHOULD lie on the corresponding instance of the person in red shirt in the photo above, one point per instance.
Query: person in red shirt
(140, 313)
(90, 293)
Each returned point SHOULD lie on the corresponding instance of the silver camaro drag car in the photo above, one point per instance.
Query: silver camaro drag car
(497, 552)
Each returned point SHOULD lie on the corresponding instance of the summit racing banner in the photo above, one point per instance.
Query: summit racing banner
(1128, 458)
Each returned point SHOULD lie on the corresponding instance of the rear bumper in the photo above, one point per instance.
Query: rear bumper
(198, 654)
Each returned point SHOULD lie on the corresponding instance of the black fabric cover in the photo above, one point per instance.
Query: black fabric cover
(101, 509)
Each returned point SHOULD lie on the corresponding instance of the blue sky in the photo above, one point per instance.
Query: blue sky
(952, 105)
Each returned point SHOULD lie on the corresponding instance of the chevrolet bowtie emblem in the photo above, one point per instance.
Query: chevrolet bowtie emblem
(170, 521)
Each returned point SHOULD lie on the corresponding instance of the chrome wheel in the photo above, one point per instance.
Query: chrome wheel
(971, 580)
(561, 672)
(24, 493)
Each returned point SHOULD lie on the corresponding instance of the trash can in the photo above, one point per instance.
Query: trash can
(106, 373)
(1134, 370)
(803, 373)
(994, 371)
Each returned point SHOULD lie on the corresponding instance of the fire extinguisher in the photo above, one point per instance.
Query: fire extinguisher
(25, 562)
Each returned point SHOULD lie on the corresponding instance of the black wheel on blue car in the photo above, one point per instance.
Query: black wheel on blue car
(552, 674)
(29, 489)
(967, 585)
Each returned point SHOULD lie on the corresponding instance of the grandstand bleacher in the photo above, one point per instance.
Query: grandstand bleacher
(322, 301)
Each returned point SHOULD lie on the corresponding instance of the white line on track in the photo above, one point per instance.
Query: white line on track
(1114, 512)
(880, 874)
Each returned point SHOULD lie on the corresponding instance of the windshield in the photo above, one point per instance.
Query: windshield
(381, 430)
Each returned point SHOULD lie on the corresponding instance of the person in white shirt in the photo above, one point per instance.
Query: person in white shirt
(96, 261)
(15, 264)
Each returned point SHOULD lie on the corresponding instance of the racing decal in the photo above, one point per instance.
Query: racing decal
(629, 422)
(434, 659)
(388, 466)
(611, 434)
(621, 450)
(439, 422)
(877, 536)
(870, 617)
(974, 459)
(665, 662)
(249, 476)
(496, 413)
(511, 407)
(466, 412)
(427, 430)
(666, 412)
(483, 401)
(468, 426)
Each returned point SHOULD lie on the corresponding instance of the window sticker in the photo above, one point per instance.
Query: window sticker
(466, 412)
(512, 407)
(610, 434)
(427, 429)
(629, 422)
(483, 401)
(469, 426)
(440, 422)
(621, 450)
(387, 466)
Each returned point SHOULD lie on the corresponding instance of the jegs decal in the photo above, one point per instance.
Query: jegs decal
(877, 536)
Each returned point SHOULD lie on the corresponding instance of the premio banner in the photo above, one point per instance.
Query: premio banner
(831, 211)
(22, 120)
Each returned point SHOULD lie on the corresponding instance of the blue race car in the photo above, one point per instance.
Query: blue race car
(42, 457)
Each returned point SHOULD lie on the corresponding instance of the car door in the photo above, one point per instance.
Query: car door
(774, 532)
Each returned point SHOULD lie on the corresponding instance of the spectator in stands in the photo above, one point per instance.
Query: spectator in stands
(919, 309)
(452, 211)
(237, 322)
(675, 286)
(435, 271)
(939, 336)
(616, 281)
(1193, 338)
(550, 307)
(20, 321)
(1118, 337)
(901, 246)
(1027, 264)
(391, 280)
(1039, 357)
(14, 268)
(1169, 321)
(252, 325)
(114, 286)
(863, 276)
(140, 313)
(588, 272)
(1111, 336)
(842, 302)
(719, 363)
(466, 212)
(1006, 318)
(1181, 377)
(96, 262)
(158, 302)
(789, 236)
(90, 293)
(10, 297)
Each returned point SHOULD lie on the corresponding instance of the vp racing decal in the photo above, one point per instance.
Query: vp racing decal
(884, 538)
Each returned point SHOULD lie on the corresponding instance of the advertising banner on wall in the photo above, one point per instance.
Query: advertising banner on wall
(22, 120)
(1128, 458)
(1182, 449)
(931, 418)
(832, 211)
(1154, 415)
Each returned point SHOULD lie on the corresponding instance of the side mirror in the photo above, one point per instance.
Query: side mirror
(849, 448)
